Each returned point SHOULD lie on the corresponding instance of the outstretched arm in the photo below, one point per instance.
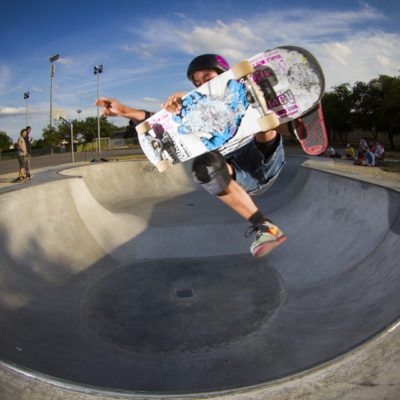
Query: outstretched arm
(114, 108)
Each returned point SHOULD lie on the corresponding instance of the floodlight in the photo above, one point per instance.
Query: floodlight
(54, 58)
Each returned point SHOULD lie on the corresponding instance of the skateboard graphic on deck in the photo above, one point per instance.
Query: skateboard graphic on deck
(271, 88)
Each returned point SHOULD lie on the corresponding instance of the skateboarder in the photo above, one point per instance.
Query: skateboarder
(233, 177)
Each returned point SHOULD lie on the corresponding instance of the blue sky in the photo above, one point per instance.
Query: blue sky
(145, 47)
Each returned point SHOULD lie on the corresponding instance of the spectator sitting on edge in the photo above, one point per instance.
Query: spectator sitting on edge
(349, 152)
(379, 153)
(370, 158)
(330, 152)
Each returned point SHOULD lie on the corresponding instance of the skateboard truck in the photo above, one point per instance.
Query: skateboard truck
(156, 145)
(244, 70)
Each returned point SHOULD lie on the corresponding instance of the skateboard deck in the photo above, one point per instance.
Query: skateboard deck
(311, 132)
(283, 84)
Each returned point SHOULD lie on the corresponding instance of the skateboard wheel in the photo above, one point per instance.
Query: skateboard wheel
(249, 98)
(143, 128)
(163, 165)
(156, 144)
(242, 69)
(268, 122)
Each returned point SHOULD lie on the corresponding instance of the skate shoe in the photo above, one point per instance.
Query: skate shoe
(268, 237)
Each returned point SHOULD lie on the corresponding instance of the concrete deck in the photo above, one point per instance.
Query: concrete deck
(116, 282)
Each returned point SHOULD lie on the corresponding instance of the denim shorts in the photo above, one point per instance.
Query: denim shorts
(253, 172)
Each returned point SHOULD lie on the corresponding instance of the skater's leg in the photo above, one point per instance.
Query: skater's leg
(215, 175)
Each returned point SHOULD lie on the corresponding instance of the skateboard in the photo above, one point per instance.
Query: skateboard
(271, 88)
(310, 131)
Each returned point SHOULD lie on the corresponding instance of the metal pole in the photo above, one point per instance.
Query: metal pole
(72, 142)
(52, 59)
(98, 116)
(26, 97)
(51, 94)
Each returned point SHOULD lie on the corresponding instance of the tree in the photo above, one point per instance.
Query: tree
(388, 114)
(5, 141)
(51, 138)
(377, 106)
(337, 106)
(372, 107)
(88, 128)
(366, 100)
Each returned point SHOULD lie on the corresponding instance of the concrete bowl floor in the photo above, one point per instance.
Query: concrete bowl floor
(120, 280)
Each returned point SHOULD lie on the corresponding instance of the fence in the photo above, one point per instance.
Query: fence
(108, 144)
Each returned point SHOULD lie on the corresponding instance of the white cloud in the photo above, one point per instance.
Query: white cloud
(65, 60)
(338, 51)
(6, 112)
(147, 51)
(345, 42)
(244, 37)
(130, 49)
(229, 39)
(151, 100)
(10, 111)
(360, 57)
(181, 15)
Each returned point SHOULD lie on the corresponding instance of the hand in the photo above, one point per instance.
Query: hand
(174, 103)
(112, 107)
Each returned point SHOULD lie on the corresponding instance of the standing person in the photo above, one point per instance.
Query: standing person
(28, 141)
(232, 177)
(21, 153)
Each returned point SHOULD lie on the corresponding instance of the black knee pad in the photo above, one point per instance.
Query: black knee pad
(211, 172)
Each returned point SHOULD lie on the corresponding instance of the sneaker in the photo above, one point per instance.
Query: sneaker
(268, 237)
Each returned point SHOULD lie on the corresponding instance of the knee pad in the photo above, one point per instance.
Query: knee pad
(211, 172)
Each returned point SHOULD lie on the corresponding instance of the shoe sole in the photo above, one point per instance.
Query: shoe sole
(268, 247)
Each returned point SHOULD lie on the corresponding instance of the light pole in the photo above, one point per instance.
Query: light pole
(26, 97)
(98, 69)
(52, 59)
